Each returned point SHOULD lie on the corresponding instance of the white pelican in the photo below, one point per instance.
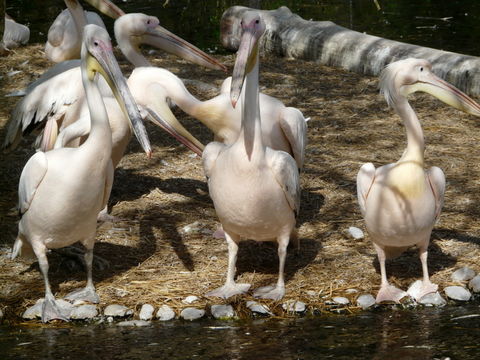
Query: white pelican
(401, 202)
(64, 39)
(59, 92)
(283, 128)
(254, 188)
(14, 34)
(62, 191)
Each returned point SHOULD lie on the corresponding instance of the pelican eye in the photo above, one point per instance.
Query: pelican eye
(421, 68)
(257, 21)
(95, 43)
(148, 22)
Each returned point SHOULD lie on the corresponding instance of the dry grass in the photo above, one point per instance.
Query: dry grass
(153, 260)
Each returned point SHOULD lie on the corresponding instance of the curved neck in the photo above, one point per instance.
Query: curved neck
(131, 50)
(100, 138)
(415, 141)
(251, 131)
(78, 15)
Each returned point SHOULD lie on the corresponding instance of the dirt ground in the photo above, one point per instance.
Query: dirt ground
(153, 259)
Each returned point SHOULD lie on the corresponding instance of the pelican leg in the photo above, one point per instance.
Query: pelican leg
(50, 309)
(276, 292)
(387, 292)
(230, 288)
(427, 286)
(88, 293)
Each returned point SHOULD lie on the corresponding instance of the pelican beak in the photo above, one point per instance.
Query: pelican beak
(447, 93)
(161, 38)
(101, 59)
(160, 114)
(246, 59)
(107, 8)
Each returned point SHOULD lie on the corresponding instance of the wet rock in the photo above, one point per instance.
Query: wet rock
(137, 323)
(355, 233)
(474, 284)
(116, 310)
(294, 306)
(365, 301)
(458, 293)
(84, 312)
(222, 311)
(165, 313)
(192, 313)
(258, 308)
(433, 299)
(190, 299)
(340, 300)
(463, 274)
(146, 312)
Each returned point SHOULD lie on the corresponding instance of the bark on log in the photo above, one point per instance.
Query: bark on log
(324, 42)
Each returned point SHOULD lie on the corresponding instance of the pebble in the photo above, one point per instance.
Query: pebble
(351, 291)
(294, 306)
(355, 232)
(474, 284)
(192, 313)
(458, 293)
(463, 274)
(165, 313)
(341, 300)
(433, 299)
(258, 308)
(146, 312)
(137, 323)
(116, 310)
(84, 312)
(365, 301)
(190, 299)
(311, 293)
(222, 311)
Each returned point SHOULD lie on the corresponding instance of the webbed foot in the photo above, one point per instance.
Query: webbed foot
(390, 293)
(86, 294)
(270, 292)
(52, 311)
(421, 288)
(229, 290)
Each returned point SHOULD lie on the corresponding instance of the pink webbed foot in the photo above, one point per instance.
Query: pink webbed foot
(52, 311)
(219, 233)
(229, 290)
(270, 292)
(390, 293)
(421, 288)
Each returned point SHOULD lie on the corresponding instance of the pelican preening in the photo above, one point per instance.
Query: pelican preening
(62, 191)
(65, 34)
(401, 202)
(254, 188)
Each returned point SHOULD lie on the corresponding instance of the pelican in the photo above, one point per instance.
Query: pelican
(65, 34)
(283, 128)
(14, 34)
(59, 92)
(62, 191)
(255, 189)
(401, 202)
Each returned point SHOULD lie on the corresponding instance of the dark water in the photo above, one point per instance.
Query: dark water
(452, 25)
(451, 332)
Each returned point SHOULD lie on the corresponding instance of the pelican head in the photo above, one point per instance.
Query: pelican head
(253, 28)
(407, 76)
(136, 29)
(97, 56)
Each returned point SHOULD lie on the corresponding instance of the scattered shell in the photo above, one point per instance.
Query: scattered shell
(365, 301)
(341, 300)
(463, 274)
(458, 293)
(433, 299)
(190, 299)
(356, 233)
(165, 313)
(192, 313)
(222, 311)
(146, 312)
(474, 284)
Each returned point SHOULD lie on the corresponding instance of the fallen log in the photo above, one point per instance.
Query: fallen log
(327, 43)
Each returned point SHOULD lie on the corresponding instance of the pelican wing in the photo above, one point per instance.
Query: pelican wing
(285, 171)
(49, 98)
(365, 179)
(294, 126)
(436, 177)
(31, 177)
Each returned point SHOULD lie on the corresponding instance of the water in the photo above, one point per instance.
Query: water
(415, 334)
(452, 25)
(418, 334)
